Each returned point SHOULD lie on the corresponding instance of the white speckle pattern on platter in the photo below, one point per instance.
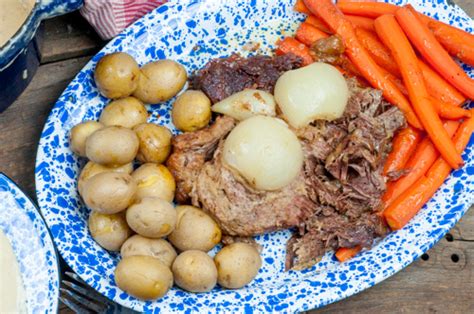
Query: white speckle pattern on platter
(192, 33)
(33, 247)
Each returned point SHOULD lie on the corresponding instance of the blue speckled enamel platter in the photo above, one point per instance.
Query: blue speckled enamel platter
(33, 247)
(193, 32)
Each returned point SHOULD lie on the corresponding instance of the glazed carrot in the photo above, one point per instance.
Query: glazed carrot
(289, 44)
(457, 42)
(444, 110)
(395, 80)
(377, 50)
(350, 68)
(439, 88)
(412, 200)
(343, 254)
(368, 9)
(392, 35)
(361, 22)
(433, 52)
(301, 7)
(330, 14)
(418, 164)
(436, 85)
(308, 34)
(403, 146)
(448, 111)
(316, 22)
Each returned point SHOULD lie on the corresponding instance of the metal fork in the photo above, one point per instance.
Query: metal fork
(80, 298)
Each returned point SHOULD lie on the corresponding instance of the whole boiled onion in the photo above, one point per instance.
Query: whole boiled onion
(264, 151)
(316, 91)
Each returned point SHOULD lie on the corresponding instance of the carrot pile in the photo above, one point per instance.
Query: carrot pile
(409, 57)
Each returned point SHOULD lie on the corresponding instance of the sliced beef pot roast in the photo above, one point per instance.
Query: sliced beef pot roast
(332, 203)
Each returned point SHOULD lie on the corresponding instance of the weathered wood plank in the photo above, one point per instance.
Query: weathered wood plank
(67, 37)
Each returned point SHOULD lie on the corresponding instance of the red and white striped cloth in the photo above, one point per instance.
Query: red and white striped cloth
(110, 17)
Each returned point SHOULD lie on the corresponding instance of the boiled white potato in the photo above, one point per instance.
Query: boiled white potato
(127, 112)
(264, 151)
(116, 75)
(246, 104)
(154, 181)
(143, 277)
(91, 169)
(112, 146)
(316, 91)
(237, 265)
(155, 142)
(109, 231)
(195, 230)
(160, 80)
(152, 217)
(79, 135)
(109, 192)
(194, 271)
(191, 111)
(157, 248)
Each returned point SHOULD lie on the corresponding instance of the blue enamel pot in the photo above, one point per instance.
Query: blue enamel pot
(19, 56)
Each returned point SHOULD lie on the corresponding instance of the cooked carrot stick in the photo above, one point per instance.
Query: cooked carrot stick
(448, 111)
(316, 22)
(403, 146)
(308, 34)
(343, 254)
(439, 88)
(433, 52)
(391, 33)
(301, 7)
(412, 200)
(350, 68)
(361, 22)
(329, 13)
(398, 82)
(418, 164)
(436, 85)
(444, 110)
(377, 50)
(368, 9)
(291, 45)
(457, 42)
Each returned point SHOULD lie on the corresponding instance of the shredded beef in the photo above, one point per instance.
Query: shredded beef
(348, 180)
(223, 77)
(335, 199)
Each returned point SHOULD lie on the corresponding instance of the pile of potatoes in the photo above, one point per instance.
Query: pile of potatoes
(130, 191)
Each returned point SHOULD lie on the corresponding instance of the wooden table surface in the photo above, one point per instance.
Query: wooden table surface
(441, 281)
